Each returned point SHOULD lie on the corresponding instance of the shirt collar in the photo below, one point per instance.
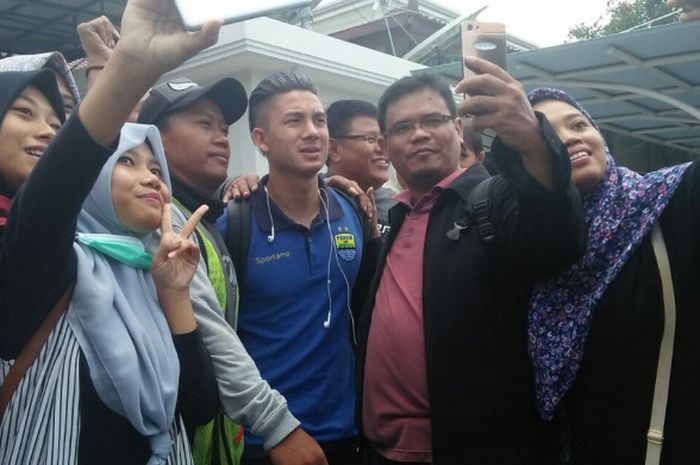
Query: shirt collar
(428, 199)
(258, 202)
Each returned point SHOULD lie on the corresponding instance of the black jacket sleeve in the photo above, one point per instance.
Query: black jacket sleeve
(198, 394)
(37, 262)
(541, 231)
(370, 260)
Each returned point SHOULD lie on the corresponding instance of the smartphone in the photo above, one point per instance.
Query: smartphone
(195, 13)
(484, 40)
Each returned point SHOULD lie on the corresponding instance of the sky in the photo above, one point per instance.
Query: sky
(542, 22)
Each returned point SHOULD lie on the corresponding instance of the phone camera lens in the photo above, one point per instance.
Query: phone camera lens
(470, 27)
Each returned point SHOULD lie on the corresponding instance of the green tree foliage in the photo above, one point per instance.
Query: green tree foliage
(622, 15)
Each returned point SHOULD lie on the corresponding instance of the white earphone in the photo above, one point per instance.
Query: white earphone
(271, 236)
(331, 251)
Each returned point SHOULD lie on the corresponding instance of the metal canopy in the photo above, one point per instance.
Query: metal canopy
(33, 26)
(644, 84)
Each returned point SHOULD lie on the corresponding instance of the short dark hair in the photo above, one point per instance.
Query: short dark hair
(340, 113)
(472, 139)
(410, 84)
(275, 84)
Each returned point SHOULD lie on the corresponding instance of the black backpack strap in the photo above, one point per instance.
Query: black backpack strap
(479, 207)
(238, 217)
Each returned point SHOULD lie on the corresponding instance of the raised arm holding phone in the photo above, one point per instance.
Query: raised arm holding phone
(497, 101)
(124, 371)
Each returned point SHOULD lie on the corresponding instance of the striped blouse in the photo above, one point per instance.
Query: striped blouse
(42, 423)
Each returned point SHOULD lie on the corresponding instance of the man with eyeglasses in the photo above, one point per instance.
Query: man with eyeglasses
(443, 374)
(354, 152)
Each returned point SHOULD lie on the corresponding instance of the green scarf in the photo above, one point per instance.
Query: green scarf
(124, 249)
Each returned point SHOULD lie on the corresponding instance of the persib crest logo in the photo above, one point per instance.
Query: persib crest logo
(345, 245)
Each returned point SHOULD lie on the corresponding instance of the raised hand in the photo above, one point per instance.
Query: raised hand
(495, 100)
(176, 260)
(690, 8)
(153, 41)
(152, 35)
(98, 37)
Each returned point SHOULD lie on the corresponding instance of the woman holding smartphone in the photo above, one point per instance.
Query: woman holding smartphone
(600, 332)
(125, 362)
(596, 330)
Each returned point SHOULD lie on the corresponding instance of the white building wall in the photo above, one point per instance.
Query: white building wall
(252, 50)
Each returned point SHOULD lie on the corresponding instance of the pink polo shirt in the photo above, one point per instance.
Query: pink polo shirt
(396, 409)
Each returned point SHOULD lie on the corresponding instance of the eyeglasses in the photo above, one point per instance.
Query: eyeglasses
(427, 122)
(369, 138)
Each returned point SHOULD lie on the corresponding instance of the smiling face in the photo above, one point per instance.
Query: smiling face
(358, 159)
(424, 155)
(583, 141)
(196, 145)
(27, 128)
(293, 134)
(138, 190)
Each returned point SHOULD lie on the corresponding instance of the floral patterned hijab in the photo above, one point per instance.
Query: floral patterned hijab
(619, 213)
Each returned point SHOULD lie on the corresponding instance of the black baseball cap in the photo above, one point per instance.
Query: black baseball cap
(176, 94)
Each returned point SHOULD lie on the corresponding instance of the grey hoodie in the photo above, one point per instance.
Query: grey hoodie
(246, 398)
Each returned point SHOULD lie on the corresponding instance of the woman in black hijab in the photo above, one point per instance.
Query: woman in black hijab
(32, 113)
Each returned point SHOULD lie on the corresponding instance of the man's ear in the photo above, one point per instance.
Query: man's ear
(459, 126)
(334, 151)
(259, 139)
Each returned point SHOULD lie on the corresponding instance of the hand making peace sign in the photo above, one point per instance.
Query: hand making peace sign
(177, 257)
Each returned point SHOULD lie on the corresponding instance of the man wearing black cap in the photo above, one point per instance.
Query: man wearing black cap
(193, 122)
